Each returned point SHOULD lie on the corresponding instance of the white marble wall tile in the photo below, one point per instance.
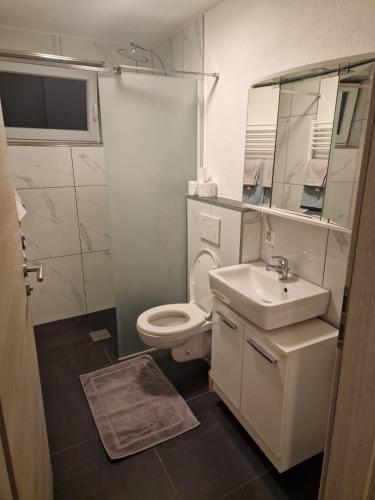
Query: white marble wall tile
(353, 204)
(277, 194)
(342, 165)
(98, 278)
(88, 166)
(193, 45)
(302, 244)
(251, 234)
(281, 149)
(305, 104)
(50, 225)
(285, 101)
(298, 143)
(292, 196)
(228, 250)
(194, 240)
(337, 202)
(355, 133)
(363, 102)
(92, 49)
(40, 166)
(61, 294)
(165, 52)
(178, 50)
(335, 273)
(93, 217)
(29, 41)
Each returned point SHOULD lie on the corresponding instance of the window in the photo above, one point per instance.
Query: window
(45, 103)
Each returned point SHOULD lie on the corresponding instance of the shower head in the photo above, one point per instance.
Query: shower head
(132, 53)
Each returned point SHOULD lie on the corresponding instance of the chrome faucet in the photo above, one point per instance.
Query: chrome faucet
(282, 267)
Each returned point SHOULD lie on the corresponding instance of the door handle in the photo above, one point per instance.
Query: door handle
(227, 321)
(33, 269)
(267, 355)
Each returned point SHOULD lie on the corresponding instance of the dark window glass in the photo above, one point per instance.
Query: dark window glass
(34, 101)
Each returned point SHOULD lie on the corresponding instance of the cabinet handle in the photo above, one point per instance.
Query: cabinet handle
(269, 357)
(227, 321)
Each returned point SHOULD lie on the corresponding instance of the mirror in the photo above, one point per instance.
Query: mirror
(260, 145)
(304, 140)
(304, 130)
(352, 109)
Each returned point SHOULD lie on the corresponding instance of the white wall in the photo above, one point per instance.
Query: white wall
(246, 40)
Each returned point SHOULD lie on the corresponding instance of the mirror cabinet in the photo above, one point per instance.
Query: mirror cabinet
(304, 142)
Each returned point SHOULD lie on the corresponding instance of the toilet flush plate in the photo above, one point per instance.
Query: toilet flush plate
(210, 228)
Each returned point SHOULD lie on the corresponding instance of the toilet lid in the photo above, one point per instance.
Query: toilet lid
(200, 292)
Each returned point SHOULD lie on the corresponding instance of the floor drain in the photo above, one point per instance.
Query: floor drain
(100, 335)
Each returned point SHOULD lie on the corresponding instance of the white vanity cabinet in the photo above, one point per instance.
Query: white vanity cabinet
(227, 352)
(276, 382)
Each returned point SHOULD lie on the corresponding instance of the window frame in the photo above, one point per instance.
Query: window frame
(91, 135)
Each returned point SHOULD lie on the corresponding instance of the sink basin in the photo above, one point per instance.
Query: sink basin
(263, 299)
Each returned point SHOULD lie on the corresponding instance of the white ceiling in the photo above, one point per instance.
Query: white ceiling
(146, 21)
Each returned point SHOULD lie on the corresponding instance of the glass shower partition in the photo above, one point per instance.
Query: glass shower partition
(149, 126)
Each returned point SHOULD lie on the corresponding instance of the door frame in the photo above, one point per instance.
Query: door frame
(349, 462)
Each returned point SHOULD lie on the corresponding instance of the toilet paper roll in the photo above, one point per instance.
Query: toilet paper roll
(206, 189)
(202, 174)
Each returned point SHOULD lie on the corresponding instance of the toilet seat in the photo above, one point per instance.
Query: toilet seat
(171, 325)
(172, 320)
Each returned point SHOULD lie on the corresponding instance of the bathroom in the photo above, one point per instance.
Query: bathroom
(124, 266)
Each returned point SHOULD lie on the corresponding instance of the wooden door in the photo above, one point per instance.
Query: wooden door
(25, 468)
(349, 468)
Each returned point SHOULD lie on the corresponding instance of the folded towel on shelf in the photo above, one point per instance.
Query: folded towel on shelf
(251, 172)
(267, 173)
(312, 199)
(316, 173)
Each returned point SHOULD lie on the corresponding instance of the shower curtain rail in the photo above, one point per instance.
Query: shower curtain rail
(89, 64)
(123, 67)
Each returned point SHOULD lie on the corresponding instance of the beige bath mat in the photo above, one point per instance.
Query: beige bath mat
(135, 406)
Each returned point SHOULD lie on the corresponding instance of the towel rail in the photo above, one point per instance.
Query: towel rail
(260, 141)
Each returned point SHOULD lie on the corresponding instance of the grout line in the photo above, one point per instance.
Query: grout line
(60, 45)
(107, 354)
(167, 473)
(52, 368)
(325, 257)
(79, 228)
(73, 446)
(72, 255)
(244, 484)
(61, 187)
(197, 396)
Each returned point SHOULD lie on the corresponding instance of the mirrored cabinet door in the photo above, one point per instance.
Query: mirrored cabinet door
(260, 145)
(350, 124)
(303, 140)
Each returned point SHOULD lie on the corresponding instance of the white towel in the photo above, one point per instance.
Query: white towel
(267, 173)
(251, 172)
(316, 173)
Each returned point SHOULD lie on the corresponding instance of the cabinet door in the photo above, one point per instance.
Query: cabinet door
(227, 347)
(263, 388)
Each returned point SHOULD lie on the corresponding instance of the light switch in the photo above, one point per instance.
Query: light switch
(210, 228)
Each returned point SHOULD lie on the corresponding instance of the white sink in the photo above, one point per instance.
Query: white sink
(263, 299)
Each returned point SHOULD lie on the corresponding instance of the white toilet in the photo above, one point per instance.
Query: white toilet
(184, 328)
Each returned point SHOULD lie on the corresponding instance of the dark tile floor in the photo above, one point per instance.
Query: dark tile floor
(216, 460)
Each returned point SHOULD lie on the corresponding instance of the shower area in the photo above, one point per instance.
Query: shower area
(151, 125)
(148, 121)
